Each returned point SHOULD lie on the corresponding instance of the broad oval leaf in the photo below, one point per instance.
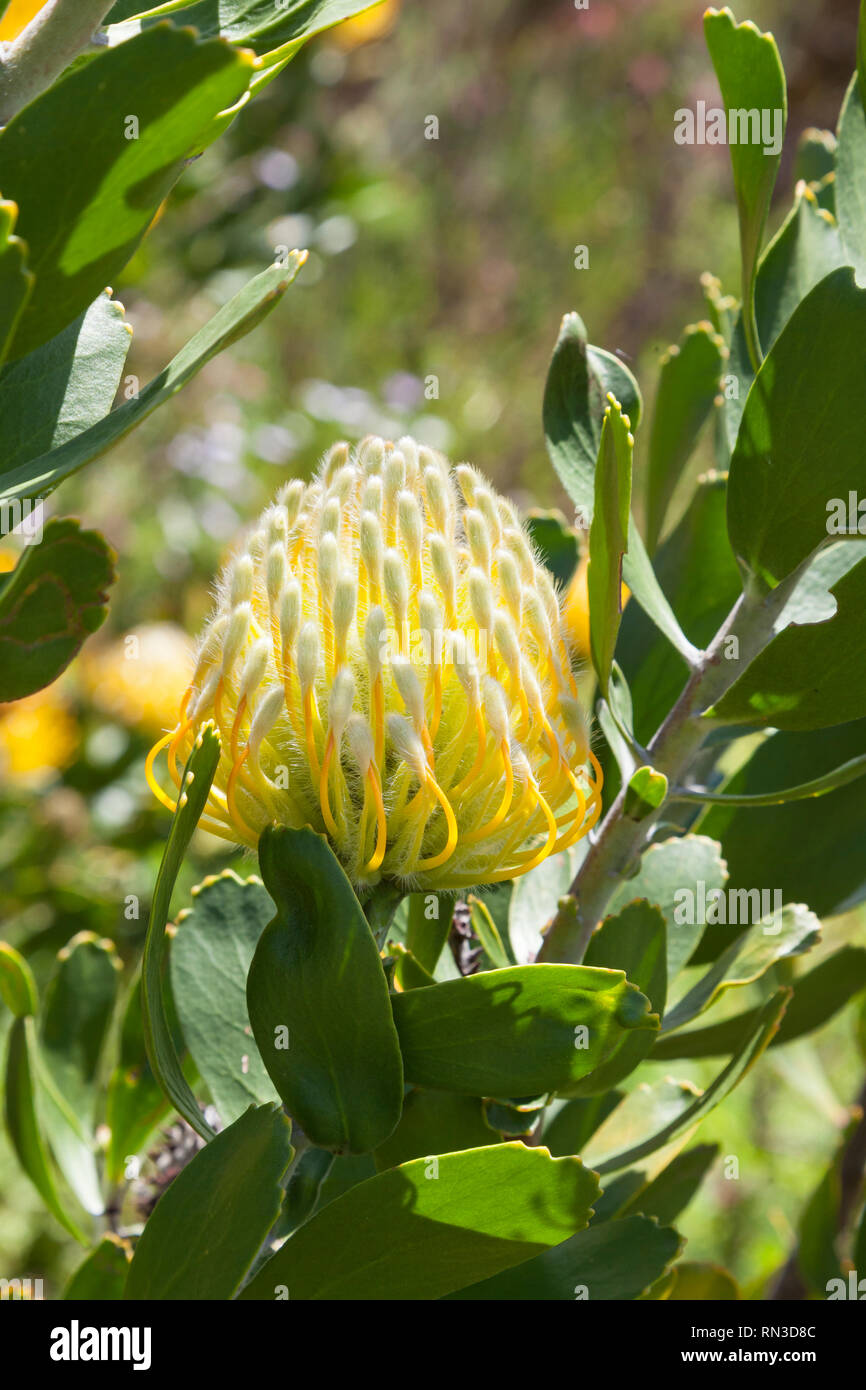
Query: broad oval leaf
(258, 24)
(752, 81)
(424, 1229)
(50, 604)
(83, 218)
(65, 386)
(818, 994)
(207, 1228)
(668, 871)
(615, 1144)
(318, 999)
(516, 1032)
(633, 940)
(812, 674)
(39, 476)
(210, 957)
(799, 445)
(780, 935)
(101, 1276)
(617, 1260)
(689, 378)
(23, 1122)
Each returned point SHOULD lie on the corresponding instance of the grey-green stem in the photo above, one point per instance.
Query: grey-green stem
(50, 42)
(672, 751)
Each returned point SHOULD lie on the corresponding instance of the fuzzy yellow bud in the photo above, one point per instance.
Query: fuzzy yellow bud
(386, 663)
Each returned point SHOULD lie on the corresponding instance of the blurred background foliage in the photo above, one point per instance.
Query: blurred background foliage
(438, 274)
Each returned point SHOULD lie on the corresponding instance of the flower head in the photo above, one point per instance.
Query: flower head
(386, 663)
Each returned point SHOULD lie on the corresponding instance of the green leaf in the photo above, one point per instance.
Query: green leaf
(555, 541)
(608, 537)
(571, 1122)
(828, 868)
(616, 1261)
(101, 1276)
(428, 923)
(579, 380)
(514, 1119)
(239, 316)
(616, 720)
(818, 994)
(640, 1114)
(435, 1122)
(516, 1032)
(23, 1123)
(699, 575)
(318, 999)
(258, 24)
(800, 439)
(816, 155)
(851, 177)
(210, 957)
(819, 1226)
(751, 79)
(671, 1191)
(209, 1225)
(422, 1230)
(196, 783)
(303, 1190)
(487, 933)
(633, 940)
(806, 248)
(667, 869)
(811, 675)
(771, 939)
(603, 1151)
(87, 188)
(408, 972)
(50, 604)
(79, 1003)
(17, 985)
(645, 793)
(64, 386)
(698, 1281)
(135, 1103)
(688, 385)
(535, 898)
(16, 281)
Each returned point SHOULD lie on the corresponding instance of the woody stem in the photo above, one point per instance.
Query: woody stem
(672, 750)
(45, 47)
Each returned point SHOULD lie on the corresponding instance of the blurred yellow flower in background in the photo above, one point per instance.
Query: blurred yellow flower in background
(575, 608)
(372, 24)
(139, 679)
(19, 14)
(38, 737)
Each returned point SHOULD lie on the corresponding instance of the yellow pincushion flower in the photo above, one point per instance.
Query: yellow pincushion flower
(386, 663)
(38, 737)
(140, 677)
